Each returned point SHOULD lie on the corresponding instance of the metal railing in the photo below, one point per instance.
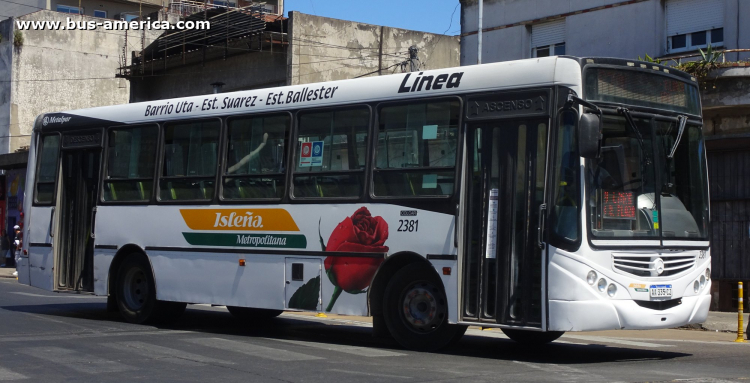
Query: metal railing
(678, 59)
(186, 8)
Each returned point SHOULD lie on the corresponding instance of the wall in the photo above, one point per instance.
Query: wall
(326, 49)
(61, 70)
(512, 42)
(246, 71)
(628, 29)
(112, 7)
(6, 60)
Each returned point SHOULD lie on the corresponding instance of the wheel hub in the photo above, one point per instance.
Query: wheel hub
(135, 289)
(423, 308)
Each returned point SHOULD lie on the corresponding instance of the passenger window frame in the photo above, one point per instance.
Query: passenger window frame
(295, 147)
(105, 165)
(224, 152)
(37, 166)
(459, 150)
(162, 155)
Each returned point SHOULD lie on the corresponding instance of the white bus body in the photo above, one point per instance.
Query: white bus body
(603, 260)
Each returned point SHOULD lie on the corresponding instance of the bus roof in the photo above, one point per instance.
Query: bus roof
(476, 78)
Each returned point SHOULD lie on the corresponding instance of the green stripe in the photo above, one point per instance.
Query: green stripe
(285, 241)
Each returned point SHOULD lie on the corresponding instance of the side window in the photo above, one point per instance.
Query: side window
(331, 153)
(417, 149)
(191, 150)
(566, 182)
(47, 170)
(255, 164)
(131, 153)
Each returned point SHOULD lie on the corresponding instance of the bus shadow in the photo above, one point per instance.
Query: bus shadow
(218, 321)
(557, 353)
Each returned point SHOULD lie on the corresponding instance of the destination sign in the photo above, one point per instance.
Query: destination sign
(618, 205)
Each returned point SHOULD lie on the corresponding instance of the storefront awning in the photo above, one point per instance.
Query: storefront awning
(14, 160)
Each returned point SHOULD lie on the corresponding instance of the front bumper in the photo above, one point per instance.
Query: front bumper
(591, 315)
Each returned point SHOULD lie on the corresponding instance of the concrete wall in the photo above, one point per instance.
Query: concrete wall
(60, 70)
(112, 7)
(241, 72)
(625, 30)
(6, 84)
(726, 102)
(325, 49)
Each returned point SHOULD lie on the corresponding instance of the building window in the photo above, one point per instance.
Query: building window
(69, 9)
(694, 24)
(102, 14)
(548, 39)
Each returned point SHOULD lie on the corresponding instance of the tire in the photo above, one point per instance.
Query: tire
(532, 338)
(415, 310)
(136, 294)
(253, 314)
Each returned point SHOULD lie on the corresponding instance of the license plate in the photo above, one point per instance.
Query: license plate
(659, 291)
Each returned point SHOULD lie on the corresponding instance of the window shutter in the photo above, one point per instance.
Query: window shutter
(548, 33)
(687, 16)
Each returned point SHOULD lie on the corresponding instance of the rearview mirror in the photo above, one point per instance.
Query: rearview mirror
(590, 136)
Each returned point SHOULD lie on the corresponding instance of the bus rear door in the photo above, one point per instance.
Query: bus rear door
(78, 192)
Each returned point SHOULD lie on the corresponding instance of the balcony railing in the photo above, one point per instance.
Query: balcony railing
(186, 8)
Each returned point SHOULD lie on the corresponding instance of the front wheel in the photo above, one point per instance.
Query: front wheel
(415, 310)
(533, 338)
(250, 314)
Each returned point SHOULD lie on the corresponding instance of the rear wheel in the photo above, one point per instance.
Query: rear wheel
(415, 310)
(534, 338)
(136, 294)
(249, 313)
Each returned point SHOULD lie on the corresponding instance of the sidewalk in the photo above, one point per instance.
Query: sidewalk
(726, 322)
(7, 272)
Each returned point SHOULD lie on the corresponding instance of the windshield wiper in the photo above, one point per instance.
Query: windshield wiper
(625, 112)
(683, 121)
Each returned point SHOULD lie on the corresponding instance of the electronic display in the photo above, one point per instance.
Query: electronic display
(618, 205)
(653, 90)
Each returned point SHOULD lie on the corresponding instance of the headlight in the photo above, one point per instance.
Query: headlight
(591, 277)
(602, 285)
(708, 273)
(703, 281)
(696, 286)
(611, 290)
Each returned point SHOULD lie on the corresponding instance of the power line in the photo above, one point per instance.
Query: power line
(441, 36)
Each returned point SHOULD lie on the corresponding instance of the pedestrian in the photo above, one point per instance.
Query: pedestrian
(5, 250)
(17, 245)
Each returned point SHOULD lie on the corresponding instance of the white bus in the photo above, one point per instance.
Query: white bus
(538, 196)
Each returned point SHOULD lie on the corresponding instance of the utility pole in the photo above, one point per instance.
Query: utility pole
(479, 35)
(413, 59)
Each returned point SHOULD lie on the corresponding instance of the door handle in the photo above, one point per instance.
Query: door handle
(540, 228)
(455, 227)
(93, 217)
(51, 220)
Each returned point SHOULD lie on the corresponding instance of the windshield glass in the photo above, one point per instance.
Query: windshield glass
(636, 191)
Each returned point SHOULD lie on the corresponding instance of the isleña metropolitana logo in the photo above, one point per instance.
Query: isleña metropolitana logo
(248, 227)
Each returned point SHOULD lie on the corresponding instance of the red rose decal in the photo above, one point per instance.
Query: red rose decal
(360, 233)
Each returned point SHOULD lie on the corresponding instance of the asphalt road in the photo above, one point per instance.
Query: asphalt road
(60, 337)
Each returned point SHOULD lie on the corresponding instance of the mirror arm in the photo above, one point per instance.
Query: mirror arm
(572, 99)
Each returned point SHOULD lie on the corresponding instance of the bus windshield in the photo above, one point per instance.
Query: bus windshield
(638, 191)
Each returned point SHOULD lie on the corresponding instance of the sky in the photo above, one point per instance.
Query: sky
(432, 16)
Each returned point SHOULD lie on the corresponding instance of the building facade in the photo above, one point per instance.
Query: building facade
(299, 50)
(670, 30)
(518, 29)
